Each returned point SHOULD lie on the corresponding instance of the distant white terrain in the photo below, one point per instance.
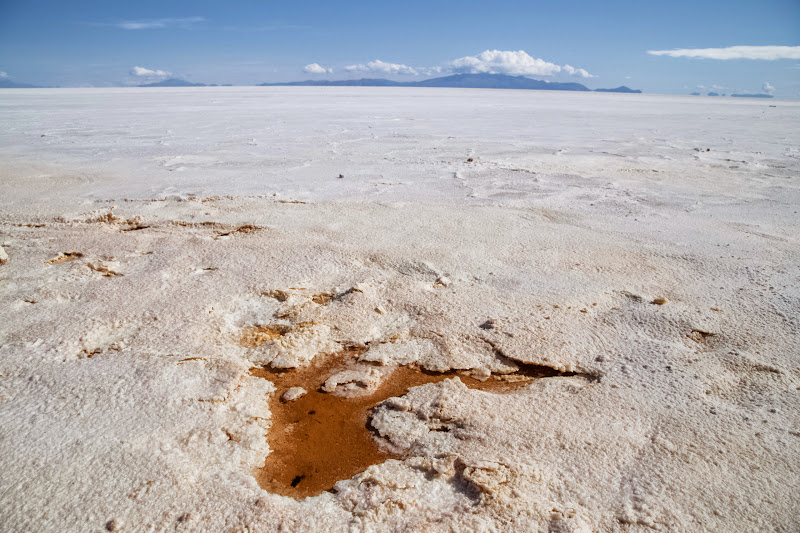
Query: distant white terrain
(643, 247)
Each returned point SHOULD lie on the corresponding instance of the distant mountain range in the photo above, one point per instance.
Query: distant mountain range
(177, 82)
(620, 89)
(173, 82)
(467, 81)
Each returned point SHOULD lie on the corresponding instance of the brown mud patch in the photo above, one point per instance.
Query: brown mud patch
(64, 257)
(255, 336)
(246, 230)
(322, 298)
(322, 438)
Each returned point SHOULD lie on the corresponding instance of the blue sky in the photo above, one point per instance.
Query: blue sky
(599, 44)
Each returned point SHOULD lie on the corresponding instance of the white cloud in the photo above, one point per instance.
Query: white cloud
(517, 63)
(577, 72)
(3, 74)
(157, 24)
(734, 52)
(316, 68)
(383, 68)
(505, 62)
(768, 88)
(149, 73)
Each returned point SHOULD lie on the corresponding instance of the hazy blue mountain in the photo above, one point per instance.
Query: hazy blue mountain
(470, 81)
(366, 82)
(695, 94)
(466, 81)
(712, 93)
(173, 82)
(498, 81)
(5, 83)
(620, 89)
(760, 95)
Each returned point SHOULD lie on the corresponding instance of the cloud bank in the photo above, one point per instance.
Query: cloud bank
(768, 88)
(316, 68)
(734, 52)
(383, 68)
(149, 73)
(3, 74)
(514, 63)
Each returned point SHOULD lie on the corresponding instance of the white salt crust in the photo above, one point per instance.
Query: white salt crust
(125, 396)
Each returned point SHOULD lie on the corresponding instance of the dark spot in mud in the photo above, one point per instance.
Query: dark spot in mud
(134, 228)
(64, 257)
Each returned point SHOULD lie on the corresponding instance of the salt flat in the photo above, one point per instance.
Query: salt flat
(641, 251)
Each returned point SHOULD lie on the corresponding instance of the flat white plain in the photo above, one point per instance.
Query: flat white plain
(125, 400)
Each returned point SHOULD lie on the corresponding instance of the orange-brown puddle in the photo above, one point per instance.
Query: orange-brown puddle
(321, 438)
